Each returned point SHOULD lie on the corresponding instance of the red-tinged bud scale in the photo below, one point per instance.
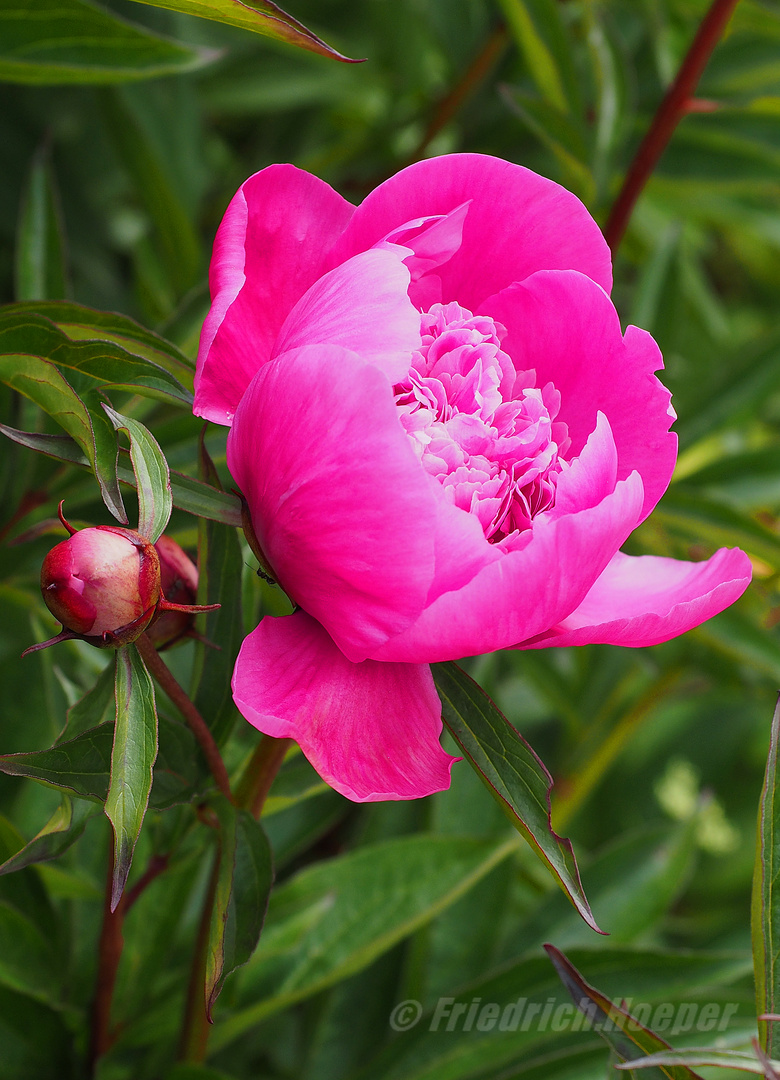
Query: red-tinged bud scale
(106, 585)
(179, 579)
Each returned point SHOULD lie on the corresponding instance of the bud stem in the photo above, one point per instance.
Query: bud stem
(165, 680)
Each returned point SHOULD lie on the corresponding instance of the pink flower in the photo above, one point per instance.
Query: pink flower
(444, 439)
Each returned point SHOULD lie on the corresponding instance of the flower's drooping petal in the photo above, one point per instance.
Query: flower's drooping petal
(647, 599)
(517, 223)
(549, 572)
(433, 241)
(363, 306)
(370, 730)
(566, 328)
(591, 476)
(271, 247)
(342, 510)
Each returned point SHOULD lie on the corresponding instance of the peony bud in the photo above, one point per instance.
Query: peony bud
(179, 579)
(103, 584)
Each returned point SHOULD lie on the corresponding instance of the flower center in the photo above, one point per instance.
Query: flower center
(484, 430)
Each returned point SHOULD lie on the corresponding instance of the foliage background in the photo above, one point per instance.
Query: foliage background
(658, 754)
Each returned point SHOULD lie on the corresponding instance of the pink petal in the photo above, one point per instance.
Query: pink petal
(526, 591)
(342, 508)
(647, 599)
(567, 329)
(370, 730)
(363, 306)
(271, 247)
(591, 476)
(517, 223)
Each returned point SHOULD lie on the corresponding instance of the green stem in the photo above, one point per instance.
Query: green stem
(252, 791)
(200, 729)
(260, 772)
(672, 109)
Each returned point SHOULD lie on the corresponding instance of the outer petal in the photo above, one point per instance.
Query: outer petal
(647, 599)
(370, 730)
(526, 591)
(363, 306)
(340, 504)
(567, 328)
(517, 223)
(271, 247)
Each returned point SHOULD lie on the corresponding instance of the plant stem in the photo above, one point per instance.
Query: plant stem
(162, 674)
(673, 107)
(195, 1028)
(110, 953)
(251, 794)
(259, 774)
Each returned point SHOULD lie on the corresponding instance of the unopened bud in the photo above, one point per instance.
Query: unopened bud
(103, 583)
(179, 579)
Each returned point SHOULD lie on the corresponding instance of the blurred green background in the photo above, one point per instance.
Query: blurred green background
(658, 754)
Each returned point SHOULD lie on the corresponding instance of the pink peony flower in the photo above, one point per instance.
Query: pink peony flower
(444, 439)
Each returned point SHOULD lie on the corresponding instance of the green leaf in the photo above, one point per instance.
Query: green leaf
(335, 917)
(617, 1027)
(262, 16)
(244, 880)
(80, 323)
(111, 365)
(221, 562)
(705, 520)
(73, 41)
(91, 710)
(132, 760)
(295, 782)
(177, 240)
(41, 382)
(766, 899)
(189, 495)
(512, 772)
(40, 240)
(63, 829)
(556, 129)
(155, 500)
(81, 765)
(540, 60)
(721, 1059)
(27, 960)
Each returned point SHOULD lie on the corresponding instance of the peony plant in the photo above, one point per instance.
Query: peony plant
(443, 438)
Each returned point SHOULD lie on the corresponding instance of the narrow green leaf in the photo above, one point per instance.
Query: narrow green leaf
(766, 899)
(81, 765)
(189, 495)
(73, 41)
(335, 917)
(41, 382)
(81, 323)
(706, 520)
(221, 563)
(132, 760)
(63, 829)
(91, 710)
(619, 1029)
(27, 960)
(176, 239)
(109, 364)
(155, 500)
(262, 16)
(244, 883)
(538, 57)
(513, 774)
(40, 241)
(719, 1059)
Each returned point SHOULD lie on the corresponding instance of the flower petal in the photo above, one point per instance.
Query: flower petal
(526, 591)
(567, 329)
(271, 247)
(342, 507)
(647, 599)
(370, 730)
(363, 306)
(591, 476)
(517, 223)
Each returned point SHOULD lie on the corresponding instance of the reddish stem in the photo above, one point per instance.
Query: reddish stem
(672, 109)
(162, 675)
(110, 953)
